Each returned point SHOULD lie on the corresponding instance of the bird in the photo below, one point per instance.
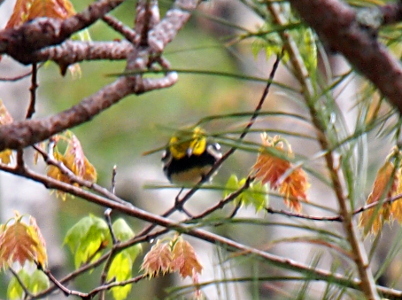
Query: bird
(190, 156)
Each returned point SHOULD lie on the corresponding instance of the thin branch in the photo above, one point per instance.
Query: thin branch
(109, 260)
(60, 286)
(71, 52)
(164, 32)
(126, 31)
(229, 198)
(32, 90)
(50, 160)
(113, 183)
(108, 286)
(376, 203)
(147, 16)
(19, 77)
(22, 285)
(300, 216)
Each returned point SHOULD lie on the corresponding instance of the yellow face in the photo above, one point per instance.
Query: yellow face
(188, 143)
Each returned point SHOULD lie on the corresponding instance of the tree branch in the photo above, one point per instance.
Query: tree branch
(44, 32)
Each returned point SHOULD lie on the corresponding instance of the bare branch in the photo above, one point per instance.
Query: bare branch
(127, 32)
(166, 30)
(71, 52)
(43, 32)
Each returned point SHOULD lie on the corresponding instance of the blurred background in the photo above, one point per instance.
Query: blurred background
(120, 135)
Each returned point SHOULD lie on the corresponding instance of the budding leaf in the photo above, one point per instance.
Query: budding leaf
(87, 238)
(21, 243)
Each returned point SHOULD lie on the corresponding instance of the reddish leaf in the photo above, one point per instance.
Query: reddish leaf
(184, 258)
(157, 260)
(26, 10)
(373, 219)
(73, 158)
(5, 118)
(20, 13)
(21, 243)
(271, 169)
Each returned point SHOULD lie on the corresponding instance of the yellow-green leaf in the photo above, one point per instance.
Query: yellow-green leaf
(120, 270)
(14, 289)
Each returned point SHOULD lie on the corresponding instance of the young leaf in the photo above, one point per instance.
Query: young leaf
(122, 264)
(20, 243)
(184, 259)
(120, 270)
(14, 289)
(158, 260)
(123, 233)
(20, 13)
(26, 10)
(5, 118)
(34, 283)
(86, 238)
(373, 219)
(73, 158)
(256, 195)
(34, 231)
(58, 9)
(271, 169)
(38, 282)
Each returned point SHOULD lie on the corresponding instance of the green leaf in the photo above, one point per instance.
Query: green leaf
(256, 195)
(270, 43)
(308, 48)
(39, 282)
(122, 230)
(231, 185)
(86, 238)
(14, 289)
(120, 270)
(77, 232)
(123, 233)
(92, 242)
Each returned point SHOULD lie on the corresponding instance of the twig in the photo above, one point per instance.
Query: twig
(300, 216)
(107, 214)
(19, 77)
(32, 90)
(113, 186)
(229, 198)
(126, 31)
(48, 158)
(24, 288)
(59, 285)
(112, 252)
